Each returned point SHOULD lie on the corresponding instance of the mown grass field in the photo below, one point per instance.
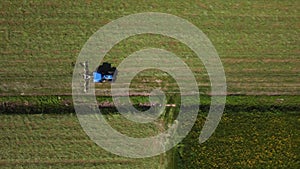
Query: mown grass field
(257, 41)
(58, 141)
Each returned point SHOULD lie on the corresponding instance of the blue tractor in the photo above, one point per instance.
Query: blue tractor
(105, 73)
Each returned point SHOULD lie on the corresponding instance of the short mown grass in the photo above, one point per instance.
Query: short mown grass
(257, 41)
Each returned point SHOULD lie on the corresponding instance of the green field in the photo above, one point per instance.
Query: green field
(242, 140)
(258, 44)
(255, 132)
(58, 141)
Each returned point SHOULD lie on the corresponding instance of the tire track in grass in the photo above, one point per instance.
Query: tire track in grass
(69, 161)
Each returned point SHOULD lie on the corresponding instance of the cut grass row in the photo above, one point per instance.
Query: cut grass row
(61, 104)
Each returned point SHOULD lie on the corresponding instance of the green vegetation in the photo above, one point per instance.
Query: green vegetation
(259, 132)
(257, 41)
(246, 140)
(55, 140)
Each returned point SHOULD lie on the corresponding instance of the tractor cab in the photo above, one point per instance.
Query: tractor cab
(105, 73)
